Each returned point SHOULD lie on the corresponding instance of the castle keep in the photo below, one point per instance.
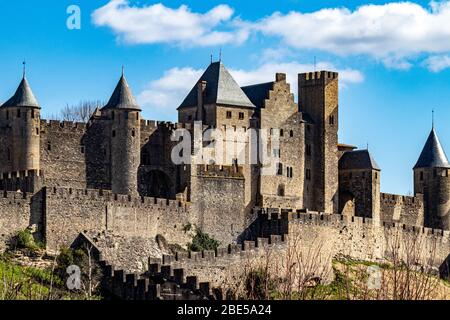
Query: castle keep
(115, 174)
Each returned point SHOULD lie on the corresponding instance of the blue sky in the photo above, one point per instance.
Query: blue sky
(393, 59)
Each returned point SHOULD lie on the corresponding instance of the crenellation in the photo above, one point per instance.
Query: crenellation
(115, 180)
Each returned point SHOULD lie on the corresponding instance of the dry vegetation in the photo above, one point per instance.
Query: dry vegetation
(309, 273)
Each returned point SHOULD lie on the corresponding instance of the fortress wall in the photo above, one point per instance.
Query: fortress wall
(218, 197)
(157, 162)
(71, 211)
(224, 266)
(359, 238)
(402, 209)
(24, 181)
(14, 215)
(322, 237)
(62, 158)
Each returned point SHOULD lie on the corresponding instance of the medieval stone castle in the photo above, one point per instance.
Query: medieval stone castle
(114, 174)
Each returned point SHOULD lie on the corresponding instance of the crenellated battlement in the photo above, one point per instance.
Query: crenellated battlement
(230, 252)
(66, 126)
(11, 197)
(149, 125)
(118, 199)
(282, 218)
(21, 174)
(317, 76)
(25, 181)
(162, 283)
(220, 171)
(388, 198)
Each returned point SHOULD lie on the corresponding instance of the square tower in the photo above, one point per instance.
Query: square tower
(318, 98)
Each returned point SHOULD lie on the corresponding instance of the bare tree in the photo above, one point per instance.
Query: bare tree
(81, 112)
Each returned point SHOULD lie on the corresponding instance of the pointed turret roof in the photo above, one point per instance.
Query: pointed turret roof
(358, 159)
(221, 88)
(122, 97)
(432, 155)
(23, 97)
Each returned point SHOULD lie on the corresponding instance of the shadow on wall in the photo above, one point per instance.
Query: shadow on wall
(444, 269)
(94, 146)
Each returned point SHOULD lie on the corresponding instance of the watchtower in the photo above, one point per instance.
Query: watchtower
(21, 114)
(431, 178)
(123, 129)
(318, 97)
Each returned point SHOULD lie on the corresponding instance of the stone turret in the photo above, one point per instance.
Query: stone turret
(431, 178)
(21, 114)
(123, 114)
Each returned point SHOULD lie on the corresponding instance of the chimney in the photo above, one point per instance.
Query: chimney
(201, 90)
(280, 77)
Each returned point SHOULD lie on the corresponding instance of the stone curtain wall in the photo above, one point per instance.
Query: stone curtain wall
(24, 181)
(320, 236)
(14, 215)
(71, 211)
(62, 157)
(402, 209)
(361, 239)
(218, 197)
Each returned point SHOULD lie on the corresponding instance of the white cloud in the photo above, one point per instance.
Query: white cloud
(397, 34)
(390, 33)
(165, 94)
(159, 24)
(437, 63)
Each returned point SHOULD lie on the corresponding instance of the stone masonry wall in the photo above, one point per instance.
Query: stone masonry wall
(15, 215)
(71, 211)
(280, 112)
(402, 209)
(218, 195)
(327, 235)
(62, 155)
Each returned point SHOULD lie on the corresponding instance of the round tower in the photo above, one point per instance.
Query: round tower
(431, 178)
(124, 131)
(22, 113)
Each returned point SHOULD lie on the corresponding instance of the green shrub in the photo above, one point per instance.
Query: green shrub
(203, 241)
(68, 257)
(24, 240)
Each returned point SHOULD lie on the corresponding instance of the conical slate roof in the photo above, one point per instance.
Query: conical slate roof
(23, 97)
(358, 159)
(221, 88)
(432, 155)
(122, 97)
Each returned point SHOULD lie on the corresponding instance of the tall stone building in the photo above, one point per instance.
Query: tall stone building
(117, 172)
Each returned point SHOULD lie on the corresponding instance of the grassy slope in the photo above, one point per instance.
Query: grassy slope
(28, 283)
